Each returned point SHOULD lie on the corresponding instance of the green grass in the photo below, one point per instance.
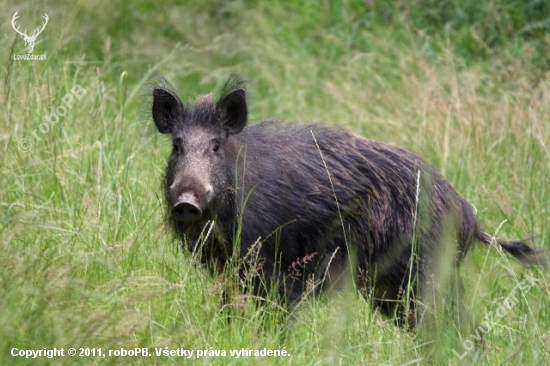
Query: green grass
(86, 258)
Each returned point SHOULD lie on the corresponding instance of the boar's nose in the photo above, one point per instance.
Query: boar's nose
(186, 208)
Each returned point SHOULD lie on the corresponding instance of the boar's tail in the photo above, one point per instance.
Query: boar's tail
(517, 248)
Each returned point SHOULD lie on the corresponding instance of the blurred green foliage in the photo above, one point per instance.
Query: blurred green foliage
(474, 28)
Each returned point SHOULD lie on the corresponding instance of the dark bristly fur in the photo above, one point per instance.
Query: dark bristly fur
(311, 199)
(517, 248)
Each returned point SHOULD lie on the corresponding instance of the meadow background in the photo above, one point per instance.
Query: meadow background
(85, 259)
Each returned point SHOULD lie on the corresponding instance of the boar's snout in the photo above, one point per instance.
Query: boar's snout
(187, 208)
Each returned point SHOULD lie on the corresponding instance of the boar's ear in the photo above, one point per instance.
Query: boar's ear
(232, 110)
(167, 109)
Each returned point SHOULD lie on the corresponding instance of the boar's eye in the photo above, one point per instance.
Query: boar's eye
(177, 146)
(215, 145)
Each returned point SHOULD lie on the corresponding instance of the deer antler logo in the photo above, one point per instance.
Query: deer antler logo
(29, 40)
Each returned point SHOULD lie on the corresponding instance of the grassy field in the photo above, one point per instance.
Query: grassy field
(86, 259)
